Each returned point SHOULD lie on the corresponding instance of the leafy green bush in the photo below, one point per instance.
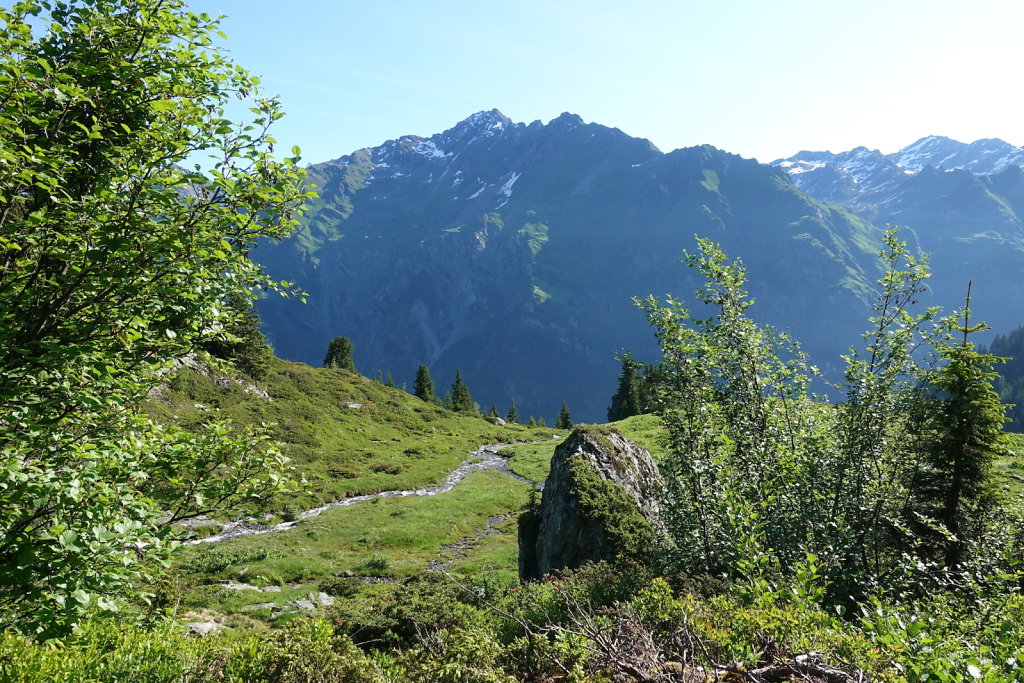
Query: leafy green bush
(759, 466)
(340, 586)
(306, 650)
(106, 290)
(375, 563)
(211, 559)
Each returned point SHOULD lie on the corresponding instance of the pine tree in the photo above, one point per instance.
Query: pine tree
(339, 354)
(462, 401)
(564, 420)
(512, 416)
(242, 342)
(532, 422)
(960, 430)
(379, 378)
(446, 402)
(424, 386)
(541, 422)
(647, 391)
(494, 411)
(390, 381)
(626, 401)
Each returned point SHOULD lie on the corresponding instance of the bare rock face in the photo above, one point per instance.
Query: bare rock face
(599, 503)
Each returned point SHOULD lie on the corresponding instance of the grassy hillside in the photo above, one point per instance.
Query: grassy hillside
(392, 441)
(348, 436)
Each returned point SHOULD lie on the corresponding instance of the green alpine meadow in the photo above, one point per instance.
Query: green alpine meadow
(511, 402)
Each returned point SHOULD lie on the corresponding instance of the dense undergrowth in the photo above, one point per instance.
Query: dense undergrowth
(600, 623)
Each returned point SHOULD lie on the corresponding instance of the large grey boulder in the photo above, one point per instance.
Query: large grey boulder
(600, 502)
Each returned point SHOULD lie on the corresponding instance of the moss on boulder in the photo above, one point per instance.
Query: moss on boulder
(599, 503)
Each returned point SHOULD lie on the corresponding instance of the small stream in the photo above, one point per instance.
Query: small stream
(486, 457)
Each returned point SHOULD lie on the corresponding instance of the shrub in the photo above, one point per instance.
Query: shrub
(209, 560)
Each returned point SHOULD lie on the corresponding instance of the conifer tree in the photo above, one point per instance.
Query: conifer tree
(462, 401)
(541, 422)
(532, 422)
(494, 411)
(379, 378)
(242, 342)
(648, 378)
(564, 420)
(626, 401)
(959, 430)
(512, 416)
(390, 381)
(339, 354)
(424, 386)
(446, 402)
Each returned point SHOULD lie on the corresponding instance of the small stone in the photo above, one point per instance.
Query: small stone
(346, 573)
(353, 406)
(324, 599)
(232, 586)
(271, 589)
(202, 629)
(261, 605)
(303, 605)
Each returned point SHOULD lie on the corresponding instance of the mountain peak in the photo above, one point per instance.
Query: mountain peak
(861, 172)
(985, 156)
(484, 120)
(566, 118)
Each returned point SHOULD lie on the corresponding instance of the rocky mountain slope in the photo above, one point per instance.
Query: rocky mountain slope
(963, 202)
(512, 251)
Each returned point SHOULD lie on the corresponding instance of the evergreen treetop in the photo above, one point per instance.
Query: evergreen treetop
(564, 420)
(626, 401)
(339, 354)
(241, 340)
(423, 388)
(959, 428)
(512, 416)
(462, 400)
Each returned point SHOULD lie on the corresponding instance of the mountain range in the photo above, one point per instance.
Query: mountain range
(962, 203)
(512, 251)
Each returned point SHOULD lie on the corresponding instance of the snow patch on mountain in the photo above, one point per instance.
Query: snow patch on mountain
(476, 194)
(506, 189)
(428, 149)
(797, 167)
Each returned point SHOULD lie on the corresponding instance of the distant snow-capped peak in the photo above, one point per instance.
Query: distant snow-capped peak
(861, 173)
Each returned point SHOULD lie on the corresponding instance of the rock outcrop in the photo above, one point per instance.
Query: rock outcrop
(599, 503)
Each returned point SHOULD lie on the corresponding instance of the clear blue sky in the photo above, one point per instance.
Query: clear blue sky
(758, 78)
